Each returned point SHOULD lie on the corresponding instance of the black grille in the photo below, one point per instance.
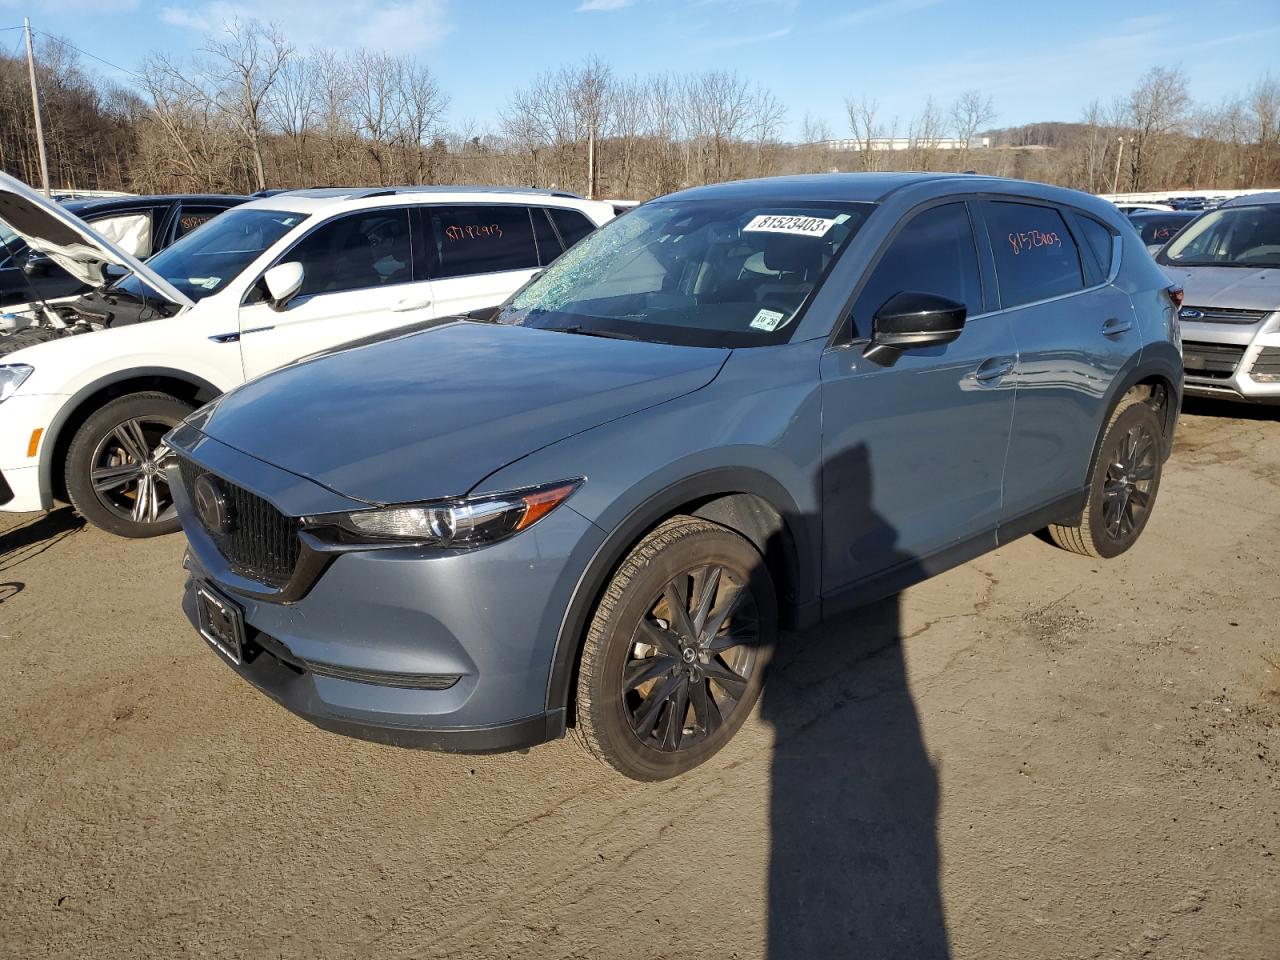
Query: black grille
(1267, 363)
(1217, 360)
(262, 543)
(1221, 315)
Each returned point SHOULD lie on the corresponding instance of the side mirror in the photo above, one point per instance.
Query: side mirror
(283, 281)
(36, 265)
(909, 320)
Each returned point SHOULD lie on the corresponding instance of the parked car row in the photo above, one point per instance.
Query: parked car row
(508, 490)
(90, 390)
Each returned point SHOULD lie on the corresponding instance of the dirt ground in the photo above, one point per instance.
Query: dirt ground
(1034, 755)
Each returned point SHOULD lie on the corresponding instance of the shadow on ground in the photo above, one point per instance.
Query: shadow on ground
(853, 869)
(19, 544)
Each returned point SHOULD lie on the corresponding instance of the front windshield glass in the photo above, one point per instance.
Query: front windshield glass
(714, 273)
(205, 260)
(11, 245)
(1230, 237)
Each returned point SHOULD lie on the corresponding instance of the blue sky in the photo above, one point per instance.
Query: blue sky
(1038, 60)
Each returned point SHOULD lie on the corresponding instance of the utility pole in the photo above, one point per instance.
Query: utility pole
(35, 108)
(1115, 179)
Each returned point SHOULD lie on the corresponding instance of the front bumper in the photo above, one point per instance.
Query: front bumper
(20, 416)
(1232, 362)
(410, 646)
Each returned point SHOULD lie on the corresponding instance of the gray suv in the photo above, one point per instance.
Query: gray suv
(734, 411)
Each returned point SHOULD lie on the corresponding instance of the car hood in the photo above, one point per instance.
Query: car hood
(70, 242)
(431, 414)
(1243, 288)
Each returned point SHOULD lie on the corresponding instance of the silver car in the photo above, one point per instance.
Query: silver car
(1228, 264)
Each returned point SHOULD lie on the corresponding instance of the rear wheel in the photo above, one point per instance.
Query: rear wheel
(675, 655)
(114, 478)
(1122, 485)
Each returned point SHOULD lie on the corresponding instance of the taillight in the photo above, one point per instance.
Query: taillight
(1175, 294)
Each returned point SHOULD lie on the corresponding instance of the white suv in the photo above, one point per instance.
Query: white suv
(88, 391)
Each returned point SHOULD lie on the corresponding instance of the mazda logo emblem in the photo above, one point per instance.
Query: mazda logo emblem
(211, 504)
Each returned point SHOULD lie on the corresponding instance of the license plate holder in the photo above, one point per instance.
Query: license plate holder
(221, 622)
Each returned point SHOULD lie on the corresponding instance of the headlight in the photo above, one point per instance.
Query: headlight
(465, 522)
(11, 377)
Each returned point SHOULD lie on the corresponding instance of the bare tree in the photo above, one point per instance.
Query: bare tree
(863, 126)
(1152, 110)
(972, 111)
(1264, 111)
(294, 108)
(246, 62)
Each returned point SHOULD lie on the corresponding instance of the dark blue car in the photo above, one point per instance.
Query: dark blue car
(738, 409)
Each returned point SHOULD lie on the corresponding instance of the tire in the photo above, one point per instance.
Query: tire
(1123, 483)
(662, 726)
(112, 463)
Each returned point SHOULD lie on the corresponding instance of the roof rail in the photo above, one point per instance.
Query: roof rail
(365, 193)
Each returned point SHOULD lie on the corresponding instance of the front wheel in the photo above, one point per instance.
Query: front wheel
(114, 477)
(1122, 485)
(674, 658)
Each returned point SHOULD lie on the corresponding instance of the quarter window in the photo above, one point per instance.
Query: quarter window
(572, 224)
(1098, 248)
(1036, 257)
(934, 253)
(548, 243)
(481, 239)
(356, 252)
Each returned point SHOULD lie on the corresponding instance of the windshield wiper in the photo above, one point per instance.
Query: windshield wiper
(607, 334)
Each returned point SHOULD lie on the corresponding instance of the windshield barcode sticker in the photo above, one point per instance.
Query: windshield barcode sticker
(767, 320)
(805, 226)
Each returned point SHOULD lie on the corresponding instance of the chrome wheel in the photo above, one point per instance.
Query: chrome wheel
(126, 474)
(1127, 487)
(692, 657)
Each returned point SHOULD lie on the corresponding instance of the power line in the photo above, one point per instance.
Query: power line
(67, 43)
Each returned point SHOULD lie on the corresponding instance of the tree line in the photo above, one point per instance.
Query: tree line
(248, 111)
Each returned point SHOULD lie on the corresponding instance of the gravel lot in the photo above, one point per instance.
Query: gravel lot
(1034, 755)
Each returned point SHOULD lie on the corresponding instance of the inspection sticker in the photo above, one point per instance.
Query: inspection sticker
(805, 226)
(767, 320)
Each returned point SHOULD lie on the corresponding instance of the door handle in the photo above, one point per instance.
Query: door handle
(993, 370)
(1115, 326)
(411, 304)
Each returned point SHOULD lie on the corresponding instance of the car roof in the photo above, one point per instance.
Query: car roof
(1164, 214)
(821, 186)
(330, 199)
(1255, 199)
(99, 204)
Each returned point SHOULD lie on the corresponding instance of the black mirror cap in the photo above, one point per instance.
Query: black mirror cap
(36, 265)
(913, 319)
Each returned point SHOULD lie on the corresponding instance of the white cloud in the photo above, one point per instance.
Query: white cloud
(881, 11)
(593, 6)
(69, 6)
(741, 41)
(393, 26)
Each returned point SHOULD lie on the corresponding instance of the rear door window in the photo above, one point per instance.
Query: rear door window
(572, 224)
(1036, 256)
(934, 253)
(468, 240)
(192, 215)
(130, 231)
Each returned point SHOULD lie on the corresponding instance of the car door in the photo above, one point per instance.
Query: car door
(358, 279)
(477, 254)
(1073, 330)
(914, 453)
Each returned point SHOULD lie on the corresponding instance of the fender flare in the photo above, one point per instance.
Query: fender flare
(53, 432)
(1154, 360)
(801, 556)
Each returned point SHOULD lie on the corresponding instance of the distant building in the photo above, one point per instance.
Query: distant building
(906, 143)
